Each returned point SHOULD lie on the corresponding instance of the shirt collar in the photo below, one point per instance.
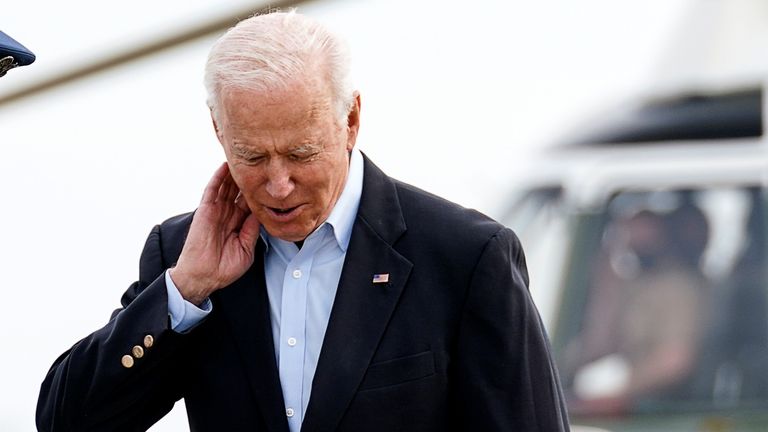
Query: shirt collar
(342, 217)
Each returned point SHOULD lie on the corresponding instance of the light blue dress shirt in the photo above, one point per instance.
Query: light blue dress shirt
(301, 285)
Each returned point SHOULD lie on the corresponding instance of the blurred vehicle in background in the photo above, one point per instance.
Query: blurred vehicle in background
(646, 242)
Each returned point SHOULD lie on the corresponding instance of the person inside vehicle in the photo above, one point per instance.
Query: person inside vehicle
(645, 310)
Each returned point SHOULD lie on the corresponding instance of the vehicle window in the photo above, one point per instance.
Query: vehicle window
(668, 307)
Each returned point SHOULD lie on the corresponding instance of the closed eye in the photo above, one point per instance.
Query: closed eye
(301, 157)
(303, 154)
(253, 159)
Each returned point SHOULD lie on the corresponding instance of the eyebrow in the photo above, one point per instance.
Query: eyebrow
(305, 148)
(244, 152)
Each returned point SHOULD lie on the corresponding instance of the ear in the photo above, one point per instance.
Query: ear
(353, 121)
(216, 127)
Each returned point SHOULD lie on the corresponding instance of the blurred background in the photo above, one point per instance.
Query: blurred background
(510, 107)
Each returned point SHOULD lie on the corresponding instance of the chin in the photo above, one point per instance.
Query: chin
(291, 236)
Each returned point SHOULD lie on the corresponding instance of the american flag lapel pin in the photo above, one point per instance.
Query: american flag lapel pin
(381, 278)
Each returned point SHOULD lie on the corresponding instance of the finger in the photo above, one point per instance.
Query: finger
(241, 210)
(212, 189)
(224, 189)
(249, 232)
(241, 203)
(232, 189)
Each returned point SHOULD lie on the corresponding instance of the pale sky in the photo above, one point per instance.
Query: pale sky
(455, 98)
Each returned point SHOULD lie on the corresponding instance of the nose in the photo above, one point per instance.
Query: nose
(279, 182)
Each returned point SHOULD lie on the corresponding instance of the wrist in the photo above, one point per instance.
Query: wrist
(190, 291)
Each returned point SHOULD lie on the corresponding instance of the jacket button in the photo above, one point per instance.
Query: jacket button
(138, 352)
(127, 361)
(149, 341)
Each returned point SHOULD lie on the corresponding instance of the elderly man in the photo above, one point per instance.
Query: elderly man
(309, 291)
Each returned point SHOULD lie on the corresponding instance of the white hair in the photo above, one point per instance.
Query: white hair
(269, 52)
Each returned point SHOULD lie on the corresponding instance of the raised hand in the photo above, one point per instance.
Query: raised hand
(221, 241)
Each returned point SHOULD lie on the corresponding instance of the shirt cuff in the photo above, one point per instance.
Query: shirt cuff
(184, 315)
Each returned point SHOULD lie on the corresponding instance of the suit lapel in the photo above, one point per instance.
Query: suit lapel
(246, 307)
(362, 308)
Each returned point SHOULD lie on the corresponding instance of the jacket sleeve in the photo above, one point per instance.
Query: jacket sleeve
(123, 376)
(507, 378)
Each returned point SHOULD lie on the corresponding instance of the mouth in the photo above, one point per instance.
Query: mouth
(283, 213)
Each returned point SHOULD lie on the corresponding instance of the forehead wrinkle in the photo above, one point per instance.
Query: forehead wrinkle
(272, 126)
(317, 109)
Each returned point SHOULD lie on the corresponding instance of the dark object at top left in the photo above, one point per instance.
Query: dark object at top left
(13, 54)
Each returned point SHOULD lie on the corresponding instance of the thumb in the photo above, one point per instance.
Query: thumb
(249, 232)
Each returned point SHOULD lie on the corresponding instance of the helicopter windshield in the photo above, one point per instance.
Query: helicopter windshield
(664, 302)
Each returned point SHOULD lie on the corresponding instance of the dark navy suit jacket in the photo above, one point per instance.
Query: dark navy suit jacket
(452, 342)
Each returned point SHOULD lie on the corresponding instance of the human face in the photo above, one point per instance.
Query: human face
(288, 154)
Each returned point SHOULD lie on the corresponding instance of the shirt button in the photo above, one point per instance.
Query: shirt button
(291, 341)
(289, 412)
(296, 274)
